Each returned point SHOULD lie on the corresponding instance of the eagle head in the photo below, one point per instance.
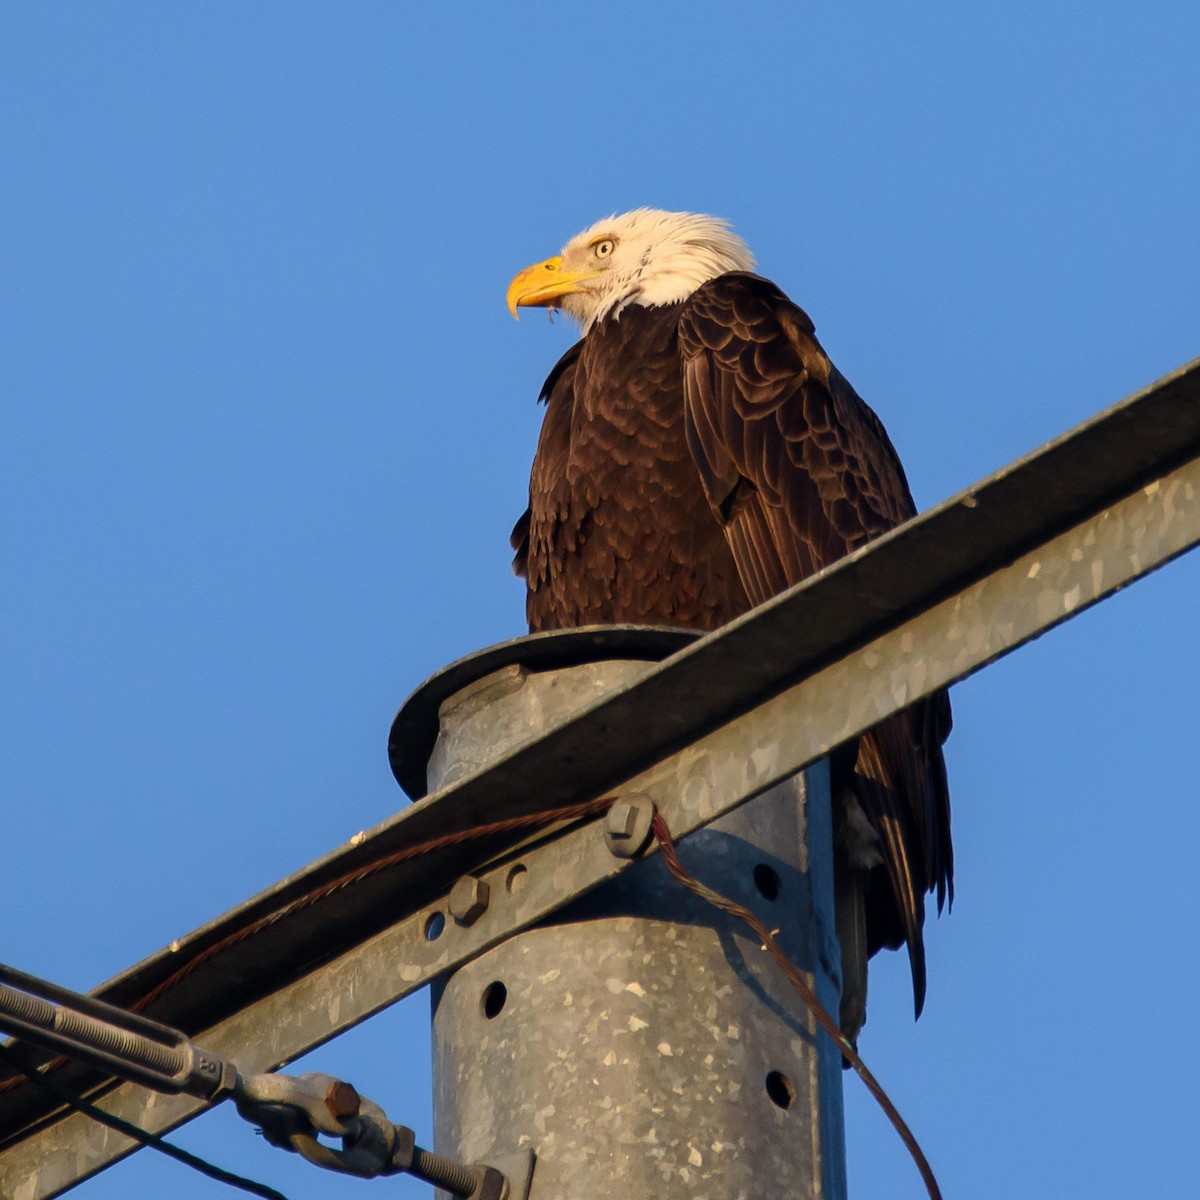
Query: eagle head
(647, 257)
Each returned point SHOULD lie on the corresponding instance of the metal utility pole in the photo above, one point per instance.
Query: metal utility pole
(640, 1041)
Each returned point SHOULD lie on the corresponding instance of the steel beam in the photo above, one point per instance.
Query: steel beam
(716, 723)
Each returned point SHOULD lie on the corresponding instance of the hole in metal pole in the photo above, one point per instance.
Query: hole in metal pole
(518, 877)
(780, 1089)
(434, 924)
(766, 879)
(494, 997)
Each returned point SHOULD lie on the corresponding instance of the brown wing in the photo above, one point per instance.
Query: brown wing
(800, 472)
(549, 465)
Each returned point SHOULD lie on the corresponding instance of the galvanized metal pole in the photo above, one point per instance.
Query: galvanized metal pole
(640, 1043)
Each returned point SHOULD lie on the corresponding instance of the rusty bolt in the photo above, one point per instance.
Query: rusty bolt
(341, 1099)
(469, 900)
(627, 826)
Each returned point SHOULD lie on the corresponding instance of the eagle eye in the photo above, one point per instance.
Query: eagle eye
(603, 249)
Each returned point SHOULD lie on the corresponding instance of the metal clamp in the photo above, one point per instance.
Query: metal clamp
(293, 1110)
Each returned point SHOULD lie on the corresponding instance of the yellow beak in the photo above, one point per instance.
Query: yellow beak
(543, 283)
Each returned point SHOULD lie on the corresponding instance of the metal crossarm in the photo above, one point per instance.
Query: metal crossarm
(713, 725)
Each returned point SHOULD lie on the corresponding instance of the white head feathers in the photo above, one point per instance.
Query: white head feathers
(647, 257)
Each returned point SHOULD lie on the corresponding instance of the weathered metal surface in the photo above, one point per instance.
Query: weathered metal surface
(640, 1043)
(326, 966)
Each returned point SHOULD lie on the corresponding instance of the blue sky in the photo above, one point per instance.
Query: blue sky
(267, 424)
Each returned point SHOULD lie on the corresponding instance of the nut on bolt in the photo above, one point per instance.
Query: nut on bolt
(469, 900)
(627, 826)
(341, 1099)
(492, 1186)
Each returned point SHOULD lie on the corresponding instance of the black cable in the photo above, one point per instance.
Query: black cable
(145, 1137)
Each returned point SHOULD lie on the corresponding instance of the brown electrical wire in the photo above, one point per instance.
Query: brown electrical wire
(662, 834)
(569, 813)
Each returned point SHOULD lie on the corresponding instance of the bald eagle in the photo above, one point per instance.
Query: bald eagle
(700, 453)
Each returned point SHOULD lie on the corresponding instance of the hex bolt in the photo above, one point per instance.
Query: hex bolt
(469, 900)
(342, 1100)
(627, 826)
